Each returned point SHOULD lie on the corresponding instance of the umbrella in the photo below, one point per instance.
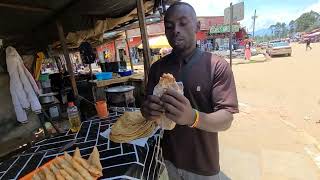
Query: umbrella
(157, 42)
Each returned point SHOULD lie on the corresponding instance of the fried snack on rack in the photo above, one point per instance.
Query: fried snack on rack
(77, 153)
(94, 160)
(64, 164)
(56, 172)
(36, 177)
(65, 174)
(95, 172)
(67, 167)
(48, 174)
(84, 173)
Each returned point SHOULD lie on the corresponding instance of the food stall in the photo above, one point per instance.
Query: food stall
(136, 80)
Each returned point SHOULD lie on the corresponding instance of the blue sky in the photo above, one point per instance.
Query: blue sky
(268, 11)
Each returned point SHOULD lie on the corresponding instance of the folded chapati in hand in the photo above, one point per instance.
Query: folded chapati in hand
(166, 81)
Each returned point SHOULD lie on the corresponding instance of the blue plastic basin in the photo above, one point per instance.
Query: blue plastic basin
(104, 75)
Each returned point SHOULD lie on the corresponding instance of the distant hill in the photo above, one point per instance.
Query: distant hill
(262, 32)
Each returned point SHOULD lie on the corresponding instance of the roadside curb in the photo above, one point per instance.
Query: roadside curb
(250, 62)
(312, 147)
(303, 133)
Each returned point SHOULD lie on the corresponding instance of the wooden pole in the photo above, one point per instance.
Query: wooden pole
(68, 61)
(130, 57)
(145, 42)
(230, 35)
(116, 53)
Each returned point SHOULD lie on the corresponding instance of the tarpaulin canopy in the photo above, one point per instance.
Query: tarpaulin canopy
(313, 34)
(32, 23)
(157, 42)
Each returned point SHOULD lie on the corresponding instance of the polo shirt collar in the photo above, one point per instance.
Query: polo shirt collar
(195, 54)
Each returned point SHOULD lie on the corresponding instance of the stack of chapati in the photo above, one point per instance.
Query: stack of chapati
(131, 126)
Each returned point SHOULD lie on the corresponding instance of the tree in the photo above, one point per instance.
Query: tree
(272, 28)
(307, 21)
(292, 27)
(278, 30)
(284, 30)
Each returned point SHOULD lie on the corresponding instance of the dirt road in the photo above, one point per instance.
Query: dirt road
(276, 133)
(287, 85)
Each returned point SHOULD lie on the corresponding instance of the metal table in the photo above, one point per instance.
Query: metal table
(119, 161)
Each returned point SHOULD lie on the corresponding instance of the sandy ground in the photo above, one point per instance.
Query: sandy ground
(276, 133)
(287, 85)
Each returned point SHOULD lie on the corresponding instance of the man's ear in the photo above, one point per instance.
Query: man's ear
(198, 26)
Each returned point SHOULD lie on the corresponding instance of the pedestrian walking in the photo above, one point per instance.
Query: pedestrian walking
(247, 52)
(308, 42)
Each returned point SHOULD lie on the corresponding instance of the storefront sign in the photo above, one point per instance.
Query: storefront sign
(223, 29)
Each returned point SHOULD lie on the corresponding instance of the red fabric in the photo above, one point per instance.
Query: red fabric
(239, 35)
(201, 35)
(242, 43)
(135, 41)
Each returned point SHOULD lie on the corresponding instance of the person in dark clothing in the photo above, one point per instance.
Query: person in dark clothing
(308, 42)
(207, 106)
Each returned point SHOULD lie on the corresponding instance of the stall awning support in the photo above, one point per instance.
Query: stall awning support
(68, 61)
(145, 42)
(130, 57)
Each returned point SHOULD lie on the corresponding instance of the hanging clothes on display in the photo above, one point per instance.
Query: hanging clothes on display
(23, 88)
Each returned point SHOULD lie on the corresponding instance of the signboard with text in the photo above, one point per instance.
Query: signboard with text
(238, 13)
(223, 29)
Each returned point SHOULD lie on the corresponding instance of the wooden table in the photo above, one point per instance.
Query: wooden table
(98, 86)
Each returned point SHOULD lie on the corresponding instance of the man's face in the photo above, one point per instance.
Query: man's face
(180, 27)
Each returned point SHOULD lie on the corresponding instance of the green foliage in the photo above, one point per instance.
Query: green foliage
(306, 22)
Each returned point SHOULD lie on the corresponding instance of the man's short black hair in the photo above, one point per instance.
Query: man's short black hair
(179, 3)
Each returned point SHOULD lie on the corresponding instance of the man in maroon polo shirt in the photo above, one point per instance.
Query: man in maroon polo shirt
(191, 149)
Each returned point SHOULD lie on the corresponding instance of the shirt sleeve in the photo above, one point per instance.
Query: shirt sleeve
(224, 94)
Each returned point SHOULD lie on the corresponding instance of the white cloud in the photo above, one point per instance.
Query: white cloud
(209, 7)
(266, 16)
(265, 19)
(313, 7)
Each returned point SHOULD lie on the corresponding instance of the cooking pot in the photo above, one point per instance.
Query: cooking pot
(47, 98)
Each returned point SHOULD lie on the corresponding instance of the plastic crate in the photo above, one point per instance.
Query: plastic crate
(125, 73)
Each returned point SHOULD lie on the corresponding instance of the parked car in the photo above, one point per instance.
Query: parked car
(263, 45)
(279, 48)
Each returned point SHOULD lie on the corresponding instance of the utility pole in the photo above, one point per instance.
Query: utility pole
(254, 22)
(230, 35)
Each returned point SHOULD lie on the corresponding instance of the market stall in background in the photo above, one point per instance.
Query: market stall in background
(77, 55)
